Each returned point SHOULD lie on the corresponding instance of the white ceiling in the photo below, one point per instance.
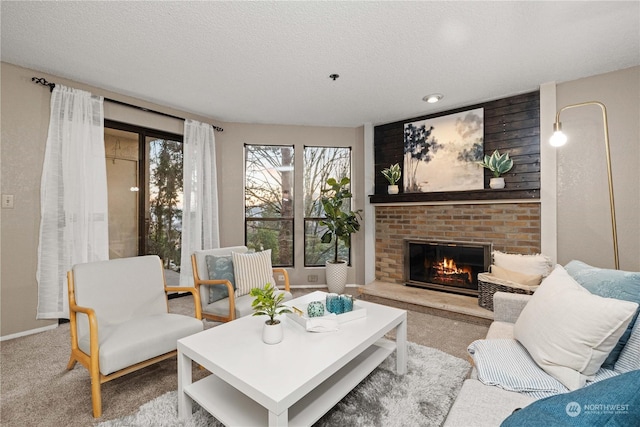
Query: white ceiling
(269, 62)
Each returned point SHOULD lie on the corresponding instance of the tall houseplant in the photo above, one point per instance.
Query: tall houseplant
(498, 164)
(340, 223)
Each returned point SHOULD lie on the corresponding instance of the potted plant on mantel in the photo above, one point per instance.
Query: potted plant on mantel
(266, 303)
(340, 225)
(498, 164)
(393, 174)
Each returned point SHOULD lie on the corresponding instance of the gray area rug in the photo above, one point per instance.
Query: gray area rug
(422, 397)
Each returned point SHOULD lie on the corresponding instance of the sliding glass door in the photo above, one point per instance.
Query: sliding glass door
(144, 179)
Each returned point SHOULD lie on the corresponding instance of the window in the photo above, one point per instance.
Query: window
(144, 180)
(269, 200)
(320, 164)
(269, 191)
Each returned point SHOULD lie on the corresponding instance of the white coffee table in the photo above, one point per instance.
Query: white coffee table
(294, 382)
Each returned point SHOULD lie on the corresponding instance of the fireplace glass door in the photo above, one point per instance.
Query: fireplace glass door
(448, 266)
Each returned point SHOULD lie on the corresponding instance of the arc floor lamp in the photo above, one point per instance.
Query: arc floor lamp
(558, 139)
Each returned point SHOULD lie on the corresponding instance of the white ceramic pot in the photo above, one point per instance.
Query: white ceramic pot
(336, 277)
(272, 334)
(496, 182)
(392, 189)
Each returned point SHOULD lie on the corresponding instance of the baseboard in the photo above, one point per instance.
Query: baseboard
(321, 286)
(318, 286)
(29, 332)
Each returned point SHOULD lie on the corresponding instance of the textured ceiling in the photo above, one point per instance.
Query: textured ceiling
(269, 62)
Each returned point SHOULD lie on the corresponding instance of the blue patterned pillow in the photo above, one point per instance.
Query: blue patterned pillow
(618, 284)
(611, 402)
(219, 268)
(629, 359)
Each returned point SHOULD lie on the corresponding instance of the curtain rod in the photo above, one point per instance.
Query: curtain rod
(43, 82)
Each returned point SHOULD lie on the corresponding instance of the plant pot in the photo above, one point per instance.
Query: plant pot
(392, 189)
(336, 276)
(496, 182)
(272, 334)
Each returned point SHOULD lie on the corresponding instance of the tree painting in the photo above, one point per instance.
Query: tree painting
(419, 147)
(441, 153)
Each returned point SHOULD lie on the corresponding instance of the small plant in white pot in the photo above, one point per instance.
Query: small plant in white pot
(498, 164)
(393, 174)
(340, 223)
(267, 303)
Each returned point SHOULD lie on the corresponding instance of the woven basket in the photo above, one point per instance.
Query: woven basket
(489, 285)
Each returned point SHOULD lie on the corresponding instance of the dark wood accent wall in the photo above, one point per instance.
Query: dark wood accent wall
(510, 124)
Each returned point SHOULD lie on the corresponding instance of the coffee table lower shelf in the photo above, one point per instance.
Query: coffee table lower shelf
(232, 407)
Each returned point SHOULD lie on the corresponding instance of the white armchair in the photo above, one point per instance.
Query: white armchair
(120, 319)
(218, 297)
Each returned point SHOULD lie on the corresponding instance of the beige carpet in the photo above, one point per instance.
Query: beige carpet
(37, 390)
(420, 397)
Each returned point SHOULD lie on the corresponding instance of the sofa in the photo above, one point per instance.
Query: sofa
(484, 401)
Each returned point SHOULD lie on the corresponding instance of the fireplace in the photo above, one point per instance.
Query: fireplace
(445, 266)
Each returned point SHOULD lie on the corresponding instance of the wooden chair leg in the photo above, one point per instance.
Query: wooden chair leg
(72, 363)
(96, 397)
(96, 394)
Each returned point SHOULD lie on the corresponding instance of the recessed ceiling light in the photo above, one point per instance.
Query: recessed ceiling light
(433, 98)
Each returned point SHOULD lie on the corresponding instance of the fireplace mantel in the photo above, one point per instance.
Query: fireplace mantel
(459, 196)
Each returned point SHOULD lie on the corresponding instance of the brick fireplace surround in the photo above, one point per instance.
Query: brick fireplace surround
(511, 227)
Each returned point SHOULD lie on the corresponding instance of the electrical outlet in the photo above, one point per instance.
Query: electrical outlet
(312, 278)
(7, 201)
(280, 278)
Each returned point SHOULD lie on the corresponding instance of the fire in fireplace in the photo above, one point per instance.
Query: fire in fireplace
(446, 266)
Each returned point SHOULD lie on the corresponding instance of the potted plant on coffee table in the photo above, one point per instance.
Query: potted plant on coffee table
(498, 164)
(341, 222)
(267, 303)
(393, 174)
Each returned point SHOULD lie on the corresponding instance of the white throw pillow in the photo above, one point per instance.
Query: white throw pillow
(568, 331)
(252, 270)
(516, 277)
(525, 264)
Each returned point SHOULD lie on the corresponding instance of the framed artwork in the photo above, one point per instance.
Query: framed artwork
(442, 153)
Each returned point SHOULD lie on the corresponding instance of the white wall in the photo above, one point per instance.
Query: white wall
(584, 224)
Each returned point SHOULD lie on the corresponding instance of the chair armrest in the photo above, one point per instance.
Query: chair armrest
(78, 309)
(287, 286)
(93, 331)
(192, 291)
(227, 283)
(508, 306)
(231, 292)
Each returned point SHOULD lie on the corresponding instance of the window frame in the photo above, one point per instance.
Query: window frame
(306, 219)
(280, 219)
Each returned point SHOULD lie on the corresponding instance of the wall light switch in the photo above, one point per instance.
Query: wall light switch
(7, 201)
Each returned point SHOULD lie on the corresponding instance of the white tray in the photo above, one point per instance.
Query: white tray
(357, 313)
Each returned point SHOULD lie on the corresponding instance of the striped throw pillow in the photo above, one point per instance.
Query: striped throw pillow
(252, 270)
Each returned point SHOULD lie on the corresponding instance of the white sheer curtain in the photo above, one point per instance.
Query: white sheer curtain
(73, 196)
(200, 207)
